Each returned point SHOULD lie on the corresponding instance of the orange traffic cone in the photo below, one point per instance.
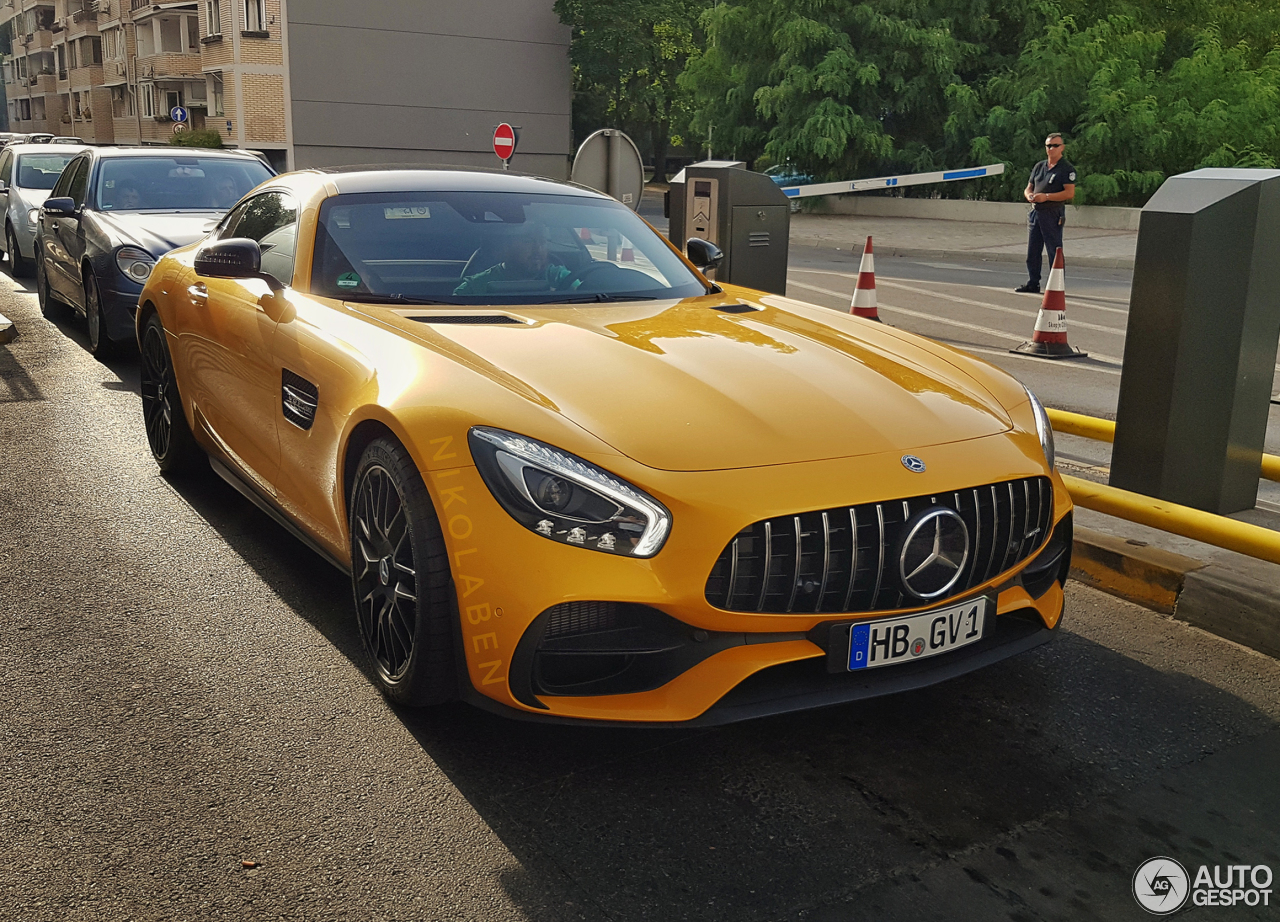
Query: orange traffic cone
(1049, 341)
(864, 296)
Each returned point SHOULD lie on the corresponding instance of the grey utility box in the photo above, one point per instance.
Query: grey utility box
(745, 214)
(1200, 353)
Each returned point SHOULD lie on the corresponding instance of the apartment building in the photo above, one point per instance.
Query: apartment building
(307, 82)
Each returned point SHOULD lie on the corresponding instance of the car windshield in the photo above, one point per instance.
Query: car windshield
(179, 183)
(477, 248)
(41, 171)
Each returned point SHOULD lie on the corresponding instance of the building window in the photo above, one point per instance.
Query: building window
(120, 102)
(24, 109)
(62, 62)
(213, 16)
(216, 104)
(71, 55)
(146, 93)
(255, 19)
(92, 50)
(37, 108)
(172, 99)
(193, 35)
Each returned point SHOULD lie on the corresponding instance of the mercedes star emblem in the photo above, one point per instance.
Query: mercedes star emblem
(913, 464)
(934, 553)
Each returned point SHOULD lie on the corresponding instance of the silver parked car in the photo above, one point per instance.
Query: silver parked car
(27, 173)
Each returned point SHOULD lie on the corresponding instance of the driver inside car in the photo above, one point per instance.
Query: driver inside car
(527, 259)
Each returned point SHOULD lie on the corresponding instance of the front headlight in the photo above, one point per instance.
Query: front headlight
(1043, 428)
(135, 263)
(564, 498)
(33, 217)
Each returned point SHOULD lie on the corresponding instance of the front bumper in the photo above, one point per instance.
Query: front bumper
(119, 304)
(721, 665)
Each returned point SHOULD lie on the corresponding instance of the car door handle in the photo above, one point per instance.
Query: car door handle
(199, 292)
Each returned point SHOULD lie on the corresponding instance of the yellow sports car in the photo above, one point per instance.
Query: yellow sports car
(571, 478)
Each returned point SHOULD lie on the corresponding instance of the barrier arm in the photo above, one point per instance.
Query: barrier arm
(892, 182)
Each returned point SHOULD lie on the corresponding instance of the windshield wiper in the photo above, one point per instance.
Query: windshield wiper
(603, 298)
(398, 299)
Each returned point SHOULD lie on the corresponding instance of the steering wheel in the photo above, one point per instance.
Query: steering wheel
(582, 273)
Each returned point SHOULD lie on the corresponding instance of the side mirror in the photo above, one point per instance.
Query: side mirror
(60, 207)
(235, 258)
(703, 253)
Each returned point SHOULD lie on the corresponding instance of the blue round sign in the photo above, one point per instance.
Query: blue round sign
(178, 114)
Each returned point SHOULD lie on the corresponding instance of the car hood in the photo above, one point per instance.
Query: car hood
(686, 387)
(158, 233)
(31, 198)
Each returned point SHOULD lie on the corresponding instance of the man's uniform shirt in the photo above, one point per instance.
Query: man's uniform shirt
(1050, 179)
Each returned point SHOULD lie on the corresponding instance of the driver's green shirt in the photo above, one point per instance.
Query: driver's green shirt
(479, 284)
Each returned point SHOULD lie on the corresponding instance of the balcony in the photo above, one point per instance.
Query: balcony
(42, 83)
(35, 41)
(176, 66)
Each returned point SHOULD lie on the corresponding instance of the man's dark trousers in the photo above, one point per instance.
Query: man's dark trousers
(1045, 234)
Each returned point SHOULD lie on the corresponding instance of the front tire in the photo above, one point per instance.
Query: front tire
(19, 267)
(51, 307)
(405, 607)
(100, 344)
(172, 444)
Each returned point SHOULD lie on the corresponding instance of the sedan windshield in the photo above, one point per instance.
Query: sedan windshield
(180, 183)
(476, 248)
(41, 171)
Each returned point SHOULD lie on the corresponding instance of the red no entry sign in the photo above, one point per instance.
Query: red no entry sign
(504, 141)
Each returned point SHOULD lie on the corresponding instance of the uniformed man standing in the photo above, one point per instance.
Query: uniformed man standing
(1052, 185)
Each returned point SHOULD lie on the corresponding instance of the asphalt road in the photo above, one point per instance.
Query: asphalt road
(182, 691)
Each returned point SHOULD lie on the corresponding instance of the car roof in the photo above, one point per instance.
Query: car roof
(72, 149)
(398, 178)
(167, 151)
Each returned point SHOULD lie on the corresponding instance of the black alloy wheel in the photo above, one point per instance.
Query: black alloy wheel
(170, 438)
(51, 306)
(100, 344)
(405, 607)
(19, 268)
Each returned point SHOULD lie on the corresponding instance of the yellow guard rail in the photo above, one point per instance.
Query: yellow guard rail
(1218, 530)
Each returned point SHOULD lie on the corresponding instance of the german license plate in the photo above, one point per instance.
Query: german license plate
(915, 637)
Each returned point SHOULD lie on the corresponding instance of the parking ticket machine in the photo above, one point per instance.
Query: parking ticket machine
(742, 212)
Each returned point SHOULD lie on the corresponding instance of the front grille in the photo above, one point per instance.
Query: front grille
(844, 560)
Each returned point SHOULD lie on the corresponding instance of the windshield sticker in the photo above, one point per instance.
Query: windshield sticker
(403, 212)
(349, 280)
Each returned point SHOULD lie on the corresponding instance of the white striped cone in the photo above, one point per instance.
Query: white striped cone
(864, 295)
(1049, 340)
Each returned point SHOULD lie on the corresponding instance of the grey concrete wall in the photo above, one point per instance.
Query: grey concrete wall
(427, 81)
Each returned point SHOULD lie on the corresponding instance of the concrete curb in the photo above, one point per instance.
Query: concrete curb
(1220, 601)
(1140, 573)
(7, 330)
(886, 252)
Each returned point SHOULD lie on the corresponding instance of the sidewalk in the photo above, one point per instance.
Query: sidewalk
(1085, 246)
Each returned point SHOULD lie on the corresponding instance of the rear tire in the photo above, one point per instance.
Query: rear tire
(172, 444)
(405, 604)
(19, 267)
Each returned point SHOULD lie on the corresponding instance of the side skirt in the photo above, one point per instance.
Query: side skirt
(277, 514)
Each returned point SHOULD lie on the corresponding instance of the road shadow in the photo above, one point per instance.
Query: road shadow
(776, 817)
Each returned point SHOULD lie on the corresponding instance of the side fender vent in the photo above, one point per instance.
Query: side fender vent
(299, 399)
(735, 308)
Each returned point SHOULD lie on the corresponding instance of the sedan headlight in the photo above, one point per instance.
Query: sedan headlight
(135, 263)
(564, 498)
(1043, 428)
(33, 217)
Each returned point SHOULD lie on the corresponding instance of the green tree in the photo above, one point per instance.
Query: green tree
(1134, 114)
(845, 88)
(627, 56)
